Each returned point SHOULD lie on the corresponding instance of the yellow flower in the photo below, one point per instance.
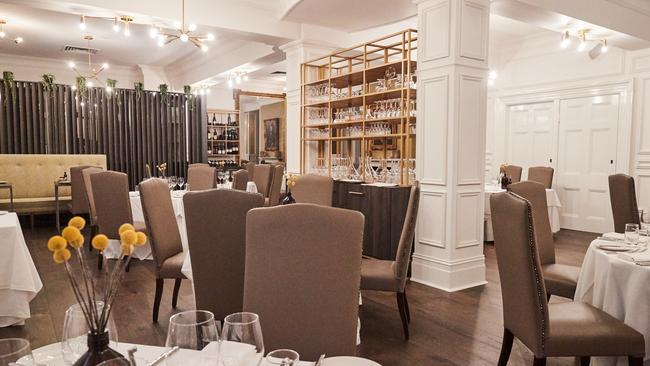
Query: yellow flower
(62, 255)
(100, 242)
(56, 242)
(142, 238)
(71, 233)
(78, 243)
(77, 222)
(129, 237)
(127, 249)
(125, 227)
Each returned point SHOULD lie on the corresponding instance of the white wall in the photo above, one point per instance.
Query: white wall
(220, 98)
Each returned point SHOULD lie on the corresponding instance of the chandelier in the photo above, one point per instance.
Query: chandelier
(185, 34)
(93, 71)
(3, 35)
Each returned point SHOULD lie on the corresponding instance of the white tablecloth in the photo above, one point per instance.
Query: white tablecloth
(19, 280)
(552, 200)
(621, 289)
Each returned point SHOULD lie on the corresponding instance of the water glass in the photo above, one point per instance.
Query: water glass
(251, 187)
(282, 357)
(14, 349)
(242, 344)
(632, 233)
(75, 333)
(194, 330)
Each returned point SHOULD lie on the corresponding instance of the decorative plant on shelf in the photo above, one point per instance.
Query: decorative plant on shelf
(139, 88)
(162, 169)
(164, 92)
(48, 83)
(10, 83)
(290, 182)
(188, 94)
(84, 285)
(82, 89)
(110, 85)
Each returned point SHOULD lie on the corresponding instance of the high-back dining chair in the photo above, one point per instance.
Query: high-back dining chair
(541, 174)
(201, 177)
(262, 178)
(622, 196)
(198, 164)
(164, 237)
(217, 245)
(112, 203)
(303, 265)
(147, 171)
(79, 203)
(250, 167)
(86, 173)
(560, 279)
(390, 276)
(240, 179)
(312, 188)
(513, 172)
(565, 329)
(277, 176)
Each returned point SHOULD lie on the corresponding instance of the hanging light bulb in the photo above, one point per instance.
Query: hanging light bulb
(74, 87)
(153, 32)
(604, 48)
(82, 23)
(2, 34)
(109, 89)
(230, 83)
(116, 25)
(583, 40)
(105, 66)
(18, 40)
(245, 77)
(238, 79)
(204, 48)
(184, 37)
(493, 75)
(161, 41)
(210, 37)
(127, 31)
(566, 40)
(191, 27)
(71, 65)
(582, 45)
(89, 84)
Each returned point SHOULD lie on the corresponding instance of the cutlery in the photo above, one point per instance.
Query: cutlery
(320, 360)
(164, 355)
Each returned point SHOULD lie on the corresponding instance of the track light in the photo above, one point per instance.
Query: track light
(82, 23)
(127, 31)
(566, 40)
(116, 25)
(582, 34)
(604, 47)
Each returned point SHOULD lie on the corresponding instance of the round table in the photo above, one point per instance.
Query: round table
(618, 287)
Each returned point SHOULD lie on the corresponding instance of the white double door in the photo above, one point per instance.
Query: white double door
(578, 137)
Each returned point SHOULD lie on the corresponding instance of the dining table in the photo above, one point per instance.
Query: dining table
(19, 279)
(615, 278)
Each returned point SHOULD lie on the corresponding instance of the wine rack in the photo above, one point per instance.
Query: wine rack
(223, 143)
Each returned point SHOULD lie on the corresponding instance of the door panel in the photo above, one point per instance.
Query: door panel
(532, 136)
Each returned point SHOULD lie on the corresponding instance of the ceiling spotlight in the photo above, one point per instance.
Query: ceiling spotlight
(582, 34)
(18, 40)
(207, 91)
(604, 47)
(191, 27)
(210, 37)
(245, 77)
(184, 37)
(153, 32)
(104, 66)
(204, 48)
(71, 65)
(82, 23)
(230, 82)
(116, 25)
(582, 45)
(566, 40)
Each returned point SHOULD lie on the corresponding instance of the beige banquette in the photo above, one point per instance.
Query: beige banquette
(33, 177)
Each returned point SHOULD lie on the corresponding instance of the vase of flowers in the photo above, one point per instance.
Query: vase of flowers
(162, 169)
(85, 287)
(290, 182)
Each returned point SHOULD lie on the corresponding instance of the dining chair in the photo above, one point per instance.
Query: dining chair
(275, 189)
(513, 172)
(541, 174)
(622, 196)
(79, 201)
(262, 178)
(390, 276)
(86, 173)
(240, 179)
(198, 164)
(147, 171)
(312, 188)
(201, 177)
(302, 275)
(217, 243)
(560, 279)
(164, 237)
(565, 329)
(250, 167)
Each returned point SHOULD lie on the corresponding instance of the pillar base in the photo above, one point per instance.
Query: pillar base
(448, 276)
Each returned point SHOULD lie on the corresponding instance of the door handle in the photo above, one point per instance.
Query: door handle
(611, 161)
(550, 160)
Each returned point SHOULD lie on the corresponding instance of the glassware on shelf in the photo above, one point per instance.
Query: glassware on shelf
(378, 129)
(319, 133)
(317, 115)
(348, 114)
(317, 93)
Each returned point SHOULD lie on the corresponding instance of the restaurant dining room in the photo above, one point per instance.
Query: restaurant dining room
(324, 183)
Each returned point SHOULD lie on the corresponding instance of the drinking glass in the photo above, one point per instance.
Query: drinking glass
(251, 187)
(75, 333)
(282, 357)
(242, 340)
(181, 182)
(14, 349)
(645, 223)
(632, 233)
(193, 330)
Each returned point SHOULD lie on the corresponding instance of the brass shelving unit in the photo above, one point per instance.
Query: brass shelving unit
(221, 124)
(352, 78)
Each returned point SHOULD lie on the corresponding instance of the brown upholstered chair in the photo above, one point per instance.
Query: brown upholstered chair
(275, 189)
(112, 204)
(514, 173)
(217, 245)
(240, 179)
(383, 275)
(303, 265)
(86, 173)
(566, 329)
(560, 279)
(622, 195)
(198, 164)
(262, 178)
(312, 188)
(250, 168)
(201, 177)
(79, 203)
(164, 237)
(147, 171)
(541, 174)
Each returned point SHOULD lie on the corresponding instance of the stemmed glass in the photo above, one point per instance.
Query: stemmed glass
(242, 344)
(632, 233)
(181, 182)
(75, 333)
(193, 330)
(13, 350)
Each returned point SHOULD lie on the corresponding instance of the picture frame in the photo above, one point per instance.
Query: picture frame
(272, 134)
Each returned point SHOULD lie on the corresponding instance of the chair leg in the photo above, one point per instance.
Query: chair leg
(406, 307)
(635, 361)
(402, 313)
(100, 261)
(548, 297)
(128, 265)
(160, 283)
(177, 287)
(506, 347)
(585, 360)
(539, 361)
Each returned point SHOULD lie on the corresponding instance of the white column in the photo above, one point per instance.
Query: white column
(450, 156)
(297, 52)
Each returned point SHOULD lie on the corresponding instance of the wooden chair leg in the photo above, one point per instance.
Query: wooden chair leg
(160, 283)
(635, 361)
(548, 297)
(585, 360)
(539, 361)
(100, 261)
(406, 306)
(506, 347)
(177, 287)
(402, 313)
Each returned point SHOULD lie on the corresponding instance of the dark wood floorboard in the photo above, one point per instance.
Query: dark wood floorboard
(461, 328)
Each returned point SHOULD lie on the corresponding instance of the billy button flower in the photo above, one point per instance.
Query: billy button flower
(125, 227)
(128, 237)
(142, 238)
(77, 222)
(100, 242)
(56, 242)
(61, 255)
(78, 243)
(71, 233)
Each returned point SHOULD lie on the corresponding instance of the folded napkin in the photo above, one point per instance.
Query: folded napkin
(641, 258)
(619, 236)
(134, 194)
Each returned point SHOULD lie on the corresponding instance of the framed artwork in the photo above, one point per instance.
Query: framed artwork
(272, 134)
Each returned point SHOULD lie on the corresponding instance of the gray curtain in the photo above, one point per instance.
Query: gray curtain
(131, 128)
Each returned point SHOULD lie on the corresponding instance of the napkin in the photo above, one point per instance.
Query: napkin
(640, 258)
(134, 194)
(619, 236)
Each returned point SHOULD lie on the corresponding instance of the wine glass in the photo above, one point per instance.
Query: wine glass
(193, 330)
(13, 350)
(181, 182)
(242, 340)
(75, 333)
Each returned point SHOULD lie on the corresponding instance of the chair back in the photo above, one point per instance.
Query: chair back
(86, 173)
(147, 171)
(525, 309)
(541, 174)
(303, 271)
(262, 178)
(218, 247)
(622, 196)
(78, 191)
(198, 164)
(403, 255)
(240, 179)
(250, 167)
(276, 184)
(159, 217)
(535, 194)
(112, 203)
(312, 188)
(513, 172)
(201, 178)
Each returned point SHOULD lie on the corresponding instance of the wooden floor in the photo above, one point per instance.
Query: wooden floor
(461, 328)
